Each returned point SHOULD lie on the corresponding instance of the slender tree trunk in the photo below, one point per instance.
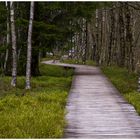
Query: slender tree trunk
(90, 42)
(122, 36)
(7, 39)
(29, 47)
(129, 39)
(103, 39)
(111, 38)
(85, 42)
(97, 36)
(13, 33)
(100, 36)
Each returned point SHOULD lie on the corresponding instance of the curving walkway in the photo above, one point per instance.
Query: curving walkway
(96, 109)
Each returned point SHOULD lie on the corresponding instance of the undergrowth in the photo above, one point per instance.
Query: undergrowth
(126, 83)
(36, 113)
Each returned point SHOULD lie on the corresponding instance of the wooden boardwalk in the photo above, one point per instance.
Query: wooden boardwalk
(96, 109)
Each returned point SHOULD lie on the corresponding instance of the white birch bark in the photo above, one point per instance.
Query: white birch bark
(7, 38)
(13, 34)
(29, 47)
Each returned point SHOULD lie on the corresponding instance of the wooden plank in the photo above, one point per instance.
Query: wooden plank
(96, 109)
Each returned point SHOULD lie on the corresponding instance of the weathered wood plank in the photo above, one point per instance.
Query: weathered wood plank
(96, 109)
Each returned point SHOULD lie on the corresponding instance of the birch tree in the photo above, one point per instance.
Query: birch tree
(7, 38)
(14, 53)
(29, 47)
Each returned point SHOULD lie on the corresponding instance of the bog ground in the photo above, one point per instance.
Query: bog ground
(39, 112)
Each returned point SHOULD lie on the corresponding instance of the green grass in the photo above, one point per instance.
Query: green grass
(74, 61)
(50, 57)
(126, 83)
(90, 63)
(71, 61)
(55, 71)
(47, 58)
(40, 113)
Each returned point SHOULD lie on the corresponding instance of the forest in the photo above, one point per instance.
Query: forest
(33, 95)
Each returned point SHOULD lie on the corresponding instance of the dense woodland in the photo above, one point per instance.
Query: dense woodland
(105, 32)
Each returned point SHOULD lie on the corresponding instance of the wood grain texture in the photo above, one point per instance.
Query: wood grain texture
(96, 109)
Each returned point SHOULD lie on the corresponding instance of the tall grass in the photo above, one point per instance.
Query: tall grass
(40, 113)
(126, 83)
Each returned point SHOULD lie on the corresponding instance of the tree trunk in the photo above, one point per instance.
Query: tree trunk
(122, 36)
(29, 47)
(111, 38)
(97, 36)
(129, 39)
(13, 34)
(7, 40)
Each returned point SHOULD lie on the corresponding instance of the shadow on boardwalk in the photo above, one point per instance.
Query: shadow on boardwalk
(96, 109)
